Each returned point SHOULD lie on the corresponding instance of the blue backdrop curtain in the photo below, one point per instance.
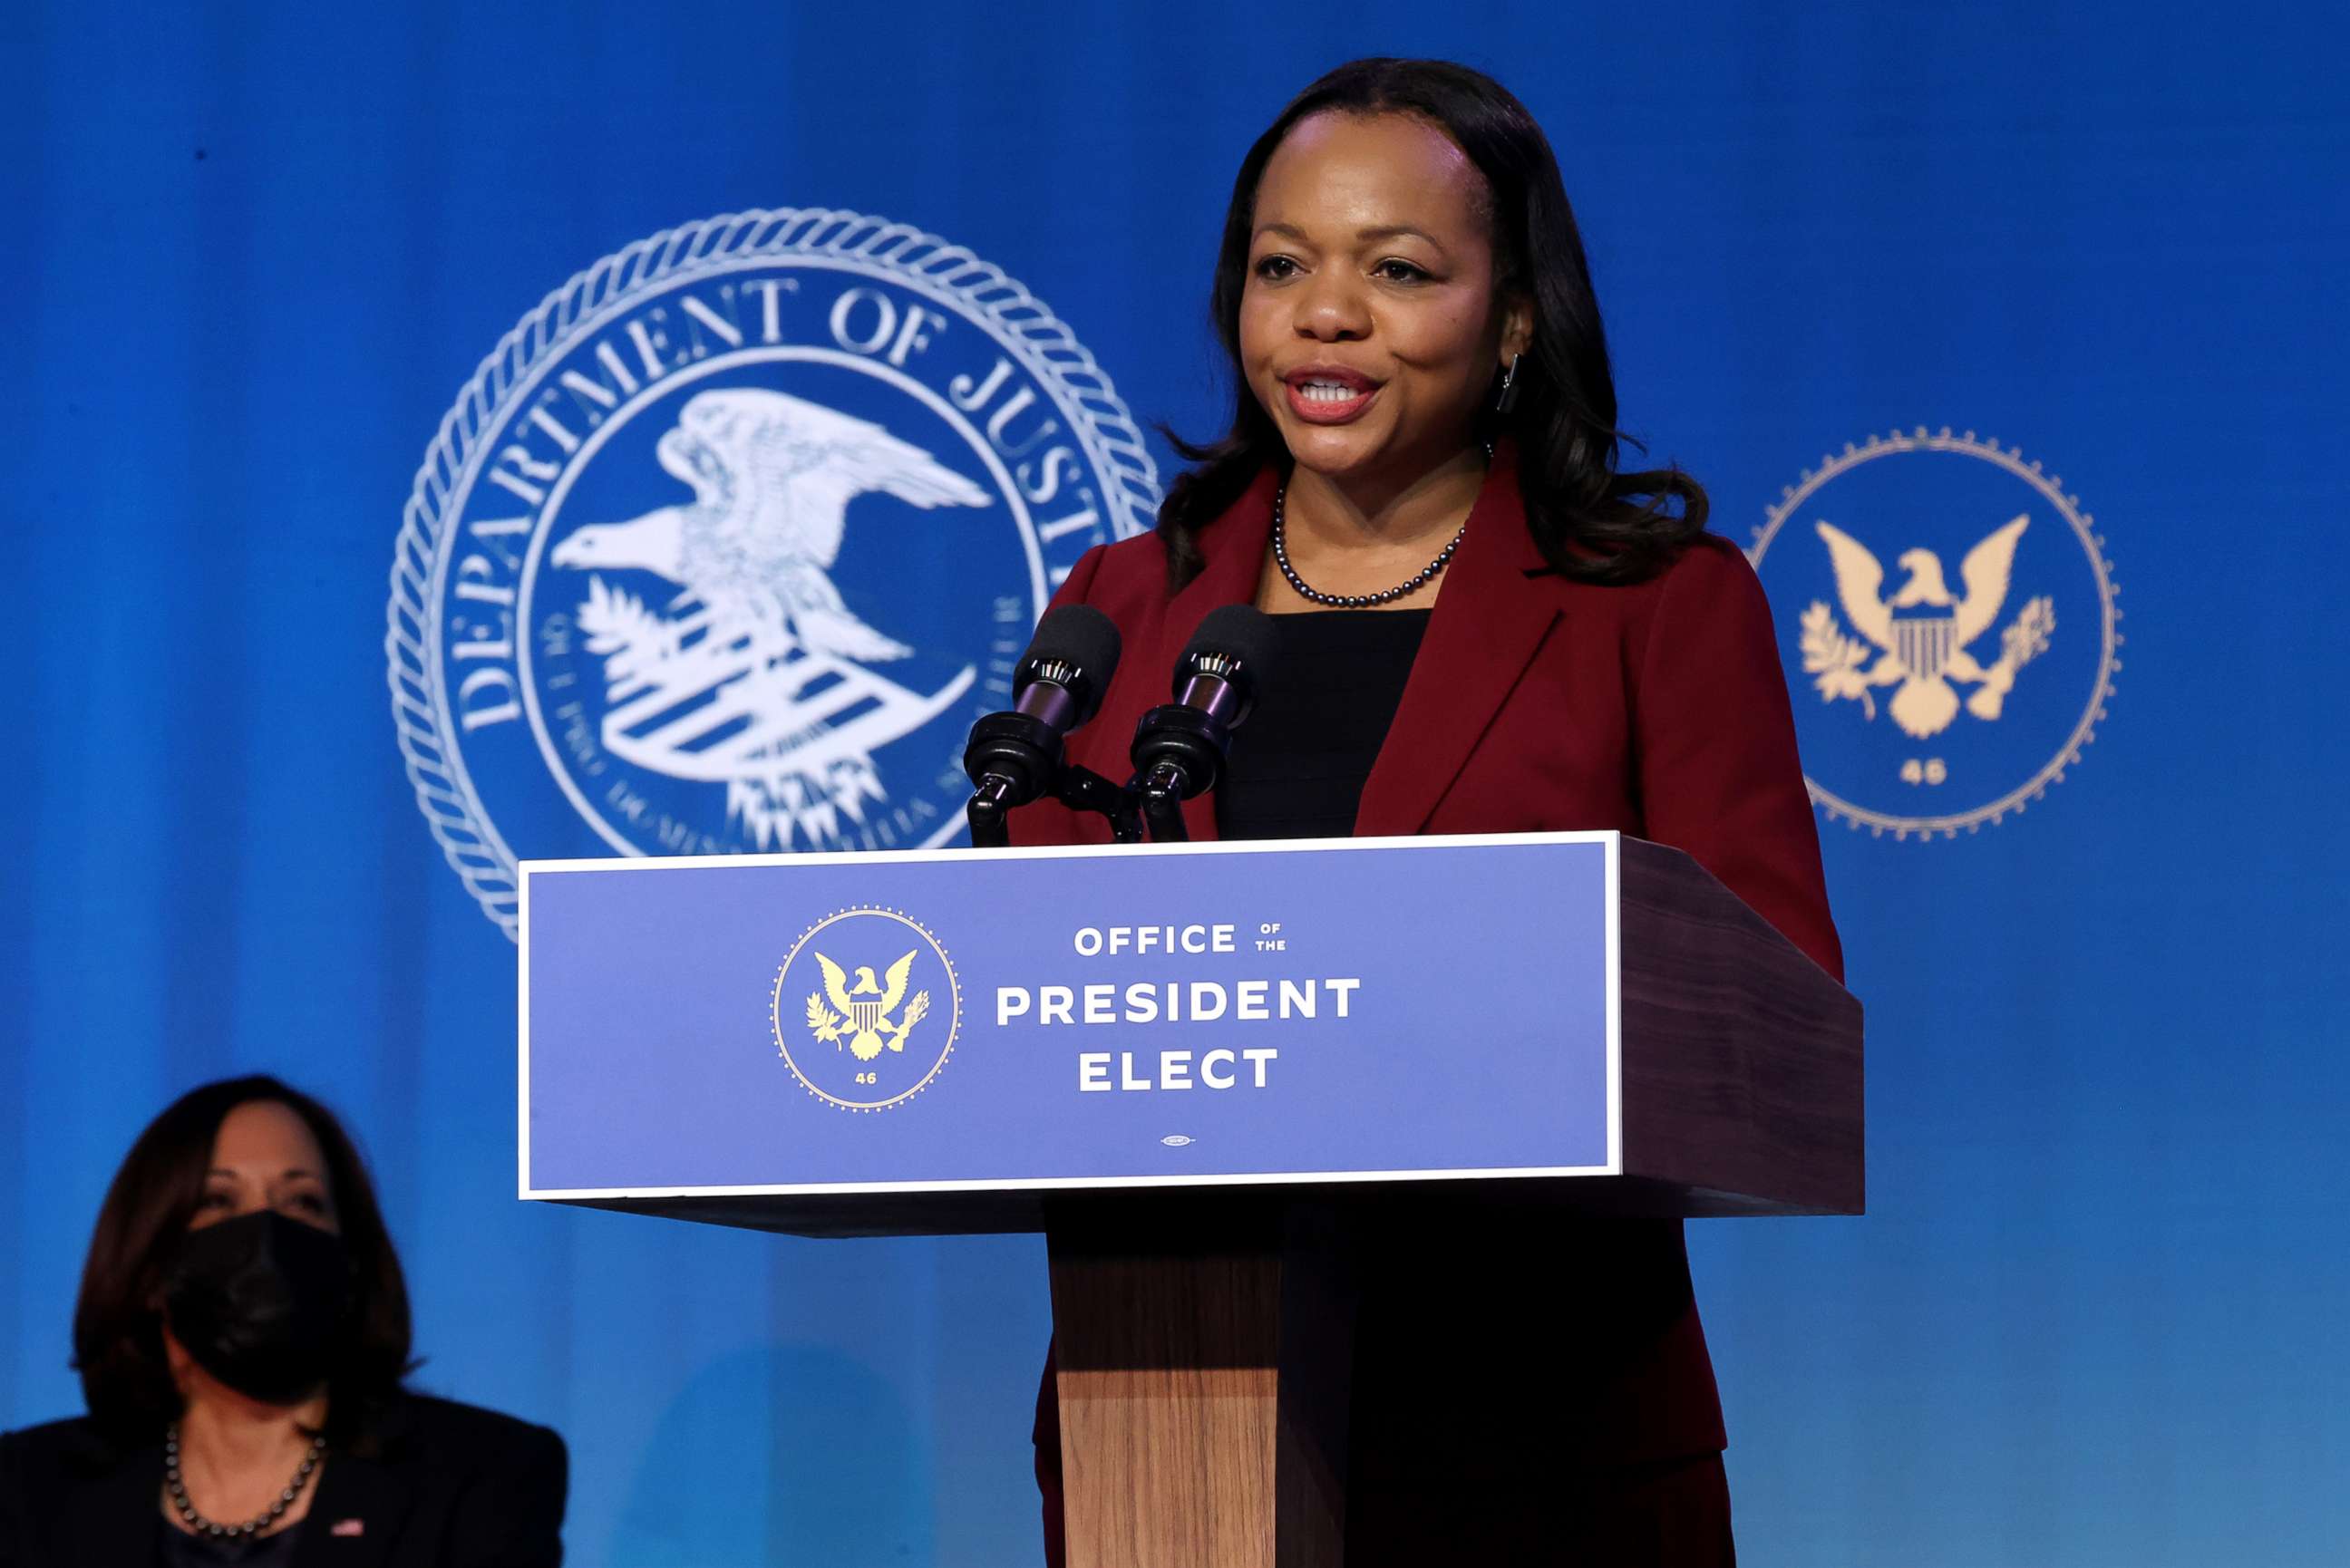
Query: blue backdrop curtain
(251, 252)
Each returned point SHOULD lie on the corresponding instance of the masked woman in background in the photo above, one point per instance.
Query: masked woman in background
(1485, 624)
(242, 1335)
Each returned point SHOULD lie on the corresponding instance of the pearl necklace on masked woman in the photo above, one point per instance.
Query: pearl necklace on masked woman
(198, 1523)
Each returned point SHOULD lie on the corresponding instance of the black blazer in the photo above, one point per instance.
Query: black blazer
(433, 1485)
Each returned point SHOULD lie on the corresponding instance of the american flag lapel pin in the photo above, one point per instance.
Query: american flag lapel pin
(348, 1527)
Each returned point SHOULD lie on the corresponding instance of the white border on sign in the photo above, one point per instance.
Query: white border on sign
(1612, 843)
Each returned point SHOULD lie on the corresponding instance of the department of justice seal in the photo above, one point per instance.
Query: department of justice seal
(1925, 705)
(731, 539)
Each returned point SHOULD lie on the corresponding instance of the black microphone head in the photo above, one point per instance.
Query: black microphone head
(1180, 748)
(1076, 646)
(1236, 642)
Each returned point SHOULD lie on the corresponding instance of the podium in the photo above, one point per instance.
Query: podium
(1196, 1069)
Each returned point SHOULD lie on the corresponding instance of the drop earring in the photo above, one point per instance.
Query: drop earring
(1507, 398)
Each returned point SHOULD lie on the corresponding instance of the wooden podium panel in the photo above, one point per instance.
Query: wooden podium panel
(1742, 1058)
(1203, 1349)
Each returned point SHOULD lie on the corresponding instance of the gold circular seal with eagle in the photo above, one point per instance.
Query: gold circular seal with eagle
(1927, 706)
(866, 1008)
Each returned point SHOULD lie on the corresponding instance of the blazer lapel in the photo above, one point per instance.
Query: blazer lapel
(1235, 560)
(1489, 618)
(355, 1520)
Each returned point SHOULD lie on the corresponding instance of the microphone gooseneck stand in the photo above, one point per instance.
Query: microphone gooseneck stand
(1179, 747)
(1016, 756)
(1078, 788)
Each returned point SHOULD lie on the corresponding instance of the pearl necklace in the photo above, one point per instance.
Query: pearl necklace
(250, 1527)
(1356, 601)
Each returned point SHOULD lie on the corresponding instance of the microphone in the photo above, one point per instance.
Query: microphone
(1180, 748)
(1015, 756)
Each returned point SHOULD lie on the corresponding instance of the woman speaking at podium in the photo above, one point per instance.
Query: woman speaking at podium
(1487, 625)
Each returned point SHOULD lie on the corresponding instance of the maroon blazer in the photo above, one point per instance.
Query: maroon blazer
(1536, 705)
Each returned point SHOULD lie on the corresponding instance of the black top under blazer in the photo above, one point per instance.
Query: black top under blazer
(433, 1484)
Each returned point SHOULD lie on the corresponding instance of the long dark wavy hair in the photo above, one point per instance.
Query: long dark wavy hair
(117, 1328)
(1591, 521)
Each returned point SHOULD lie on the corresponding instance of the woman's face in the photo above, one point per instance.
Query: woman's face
(264, 1156)
(1370, 327)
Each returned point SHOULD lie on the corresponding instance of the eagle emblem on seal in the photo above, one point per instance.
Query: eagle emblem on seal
(757, 675)
(860, 1012)
(1920, 640)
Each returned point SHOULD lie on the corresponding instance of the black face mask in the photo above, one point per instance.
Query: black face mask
(260, 1302)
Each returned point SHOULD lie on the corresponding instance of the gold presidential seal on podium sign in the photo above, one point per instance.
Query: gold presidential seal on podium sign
(1926, 706)
(866, 1008)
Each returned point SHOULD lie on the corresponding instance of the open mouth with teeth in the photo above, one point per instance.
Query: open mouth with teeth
(1329, 397)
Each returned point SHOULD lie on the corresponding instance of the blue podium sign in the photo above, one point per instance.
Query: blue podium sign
(962, 1021)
